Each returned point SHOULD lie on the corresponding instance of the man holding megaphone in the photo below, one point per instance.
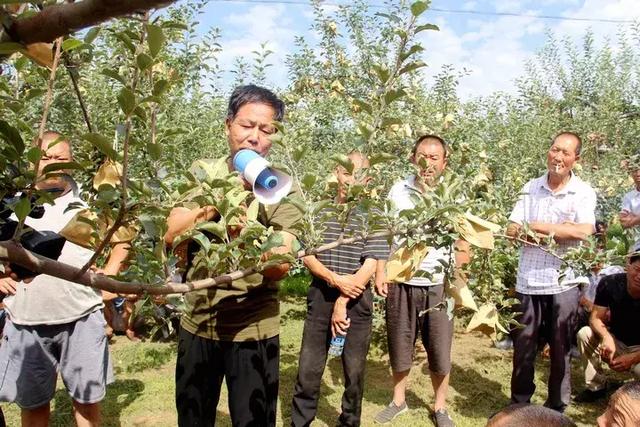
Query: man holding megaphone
(232, 332)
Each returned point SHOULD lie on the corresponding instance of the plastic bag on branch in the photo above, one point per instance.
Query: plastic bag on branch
(486, 320)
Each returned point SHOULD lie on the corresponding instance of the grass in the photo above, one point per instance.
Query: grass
(143, 394)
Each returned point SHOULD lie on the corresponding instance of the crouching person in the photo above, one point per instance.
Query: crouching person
(619, 344)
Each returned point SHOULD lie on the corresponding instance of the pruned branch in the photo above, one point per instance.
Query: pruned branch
(14, 253)
(65, 18)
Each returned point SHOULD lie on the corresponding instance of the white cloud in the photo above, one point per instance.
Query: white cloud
(244, 33)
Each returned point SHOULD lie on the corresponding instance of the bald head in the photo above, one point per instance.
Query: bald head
(624, 407)
(524, 414)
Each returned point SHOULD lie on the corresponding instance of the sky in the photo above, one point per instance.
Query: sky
(493, 48)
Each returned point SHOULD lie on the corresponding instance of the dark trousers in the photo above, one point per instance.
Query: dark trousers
(548, 318)
(251, 372)
(313, 354)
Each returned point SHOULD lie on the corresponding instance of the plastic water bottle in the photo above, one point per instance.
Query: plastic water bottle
(337, 345)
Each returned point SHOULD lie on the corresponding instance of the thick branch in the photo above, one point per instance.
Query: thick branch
(14, 253)
(62, 19)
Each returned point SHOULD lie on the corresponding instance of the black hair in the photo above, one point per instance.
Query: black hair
(249, 94)
(526, 414)
(572, 134)
(429, 137)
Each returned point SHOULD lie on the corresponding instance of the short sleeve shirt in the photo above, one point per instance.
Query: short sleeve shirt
(348, 258)
(48, 300)
(625, 311)
(246, 309)
(400, 196)
(631, 204)
(539, 273)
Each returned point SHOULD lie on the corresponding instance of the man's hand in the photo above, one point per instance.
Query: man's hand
(182, 219)
(339, 321)
(382, 288)
(607, 348)
(628, 220)
(623, 362)
(346, 283)
(588, 305)
(8, 286)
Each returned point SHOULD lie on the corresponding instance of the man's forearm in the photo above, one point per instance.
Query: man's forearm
(364, 274)
(564, 231)
(596, 323)
(318, 269)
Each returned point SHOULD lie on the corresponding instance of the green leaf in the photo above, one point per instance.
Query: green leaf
(382, 72)
(8, 48)
(71, 44)
(309, 181)
(381, 158)
(426, 27)
(102, 143)
(140, 112)
(253, 210)
(114, 75)
(155, 39)
(274, 240)
(61, 166)
(299, 152)
(393, 95)
(144, 61)
(126, 41)
(155, 151)
(33, 93)
(343, 161)
(416, 48)
(12, 136)
(363, 105)
(22, 208)
(127, 100)
(34, 154)
(91, 35)
(390, 121)
(411, 67)
(418, 8)
(160, 87)
(215, 228)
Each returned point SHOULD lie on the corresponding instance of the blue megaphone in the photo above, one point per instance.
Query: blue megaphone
(269, 185)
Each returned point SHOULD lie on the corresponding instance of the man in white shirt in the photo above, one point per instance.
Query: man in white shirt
(407, 302)
(561, 205)
(54, 325)
(630, 209)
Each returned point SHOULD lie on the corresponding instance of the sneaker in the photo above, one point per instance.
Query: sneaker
(442, 419)
(588, 396)
(390, 412)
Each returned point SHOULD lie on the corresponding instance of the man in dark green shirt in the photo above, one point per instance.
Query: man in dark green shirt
(231, 332)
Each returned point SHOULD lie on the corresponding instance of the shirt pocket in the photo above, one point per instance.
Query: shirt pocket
(564, 210)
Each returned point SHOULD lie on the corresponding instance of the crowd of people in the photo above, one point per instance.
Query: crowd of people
(231, 332)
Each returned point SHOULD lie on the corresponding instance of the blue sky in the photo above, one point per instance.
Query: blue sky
(493, 48)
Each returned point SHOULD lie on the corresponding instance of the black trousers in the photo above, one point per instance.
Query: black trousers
(548, 318)
(251, 372)
(313, 354)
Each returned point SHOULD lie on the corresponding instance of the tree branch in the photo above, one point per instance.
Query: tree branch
(62, 19)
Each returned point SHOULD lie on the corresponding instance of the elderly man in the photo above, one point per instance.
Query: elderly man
(525, 414)
(617, 343)
(407, 302)
(232, 332)
(55, 325)
(560, 205)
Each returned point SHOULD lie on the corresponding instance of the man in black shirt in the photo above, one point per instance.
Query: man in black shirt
(619, 344)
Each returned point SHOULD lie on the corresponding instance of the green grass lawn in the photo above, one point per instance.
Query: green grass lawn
(143, 392)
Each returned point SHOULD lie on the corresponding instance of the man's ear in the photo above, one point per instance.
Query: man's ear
(227, 125)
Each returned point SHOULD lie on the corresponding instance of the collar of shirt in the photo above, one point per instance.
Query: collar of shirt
(570, 188)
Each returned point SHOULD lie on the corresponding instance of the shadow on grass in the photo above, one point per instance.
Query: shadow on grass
(479, 396)
(120, 394)
(143, 358)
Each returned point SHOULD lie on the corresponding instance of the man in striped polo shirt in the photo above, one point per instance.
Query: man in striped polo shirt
(406, 302)
(339, 301)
